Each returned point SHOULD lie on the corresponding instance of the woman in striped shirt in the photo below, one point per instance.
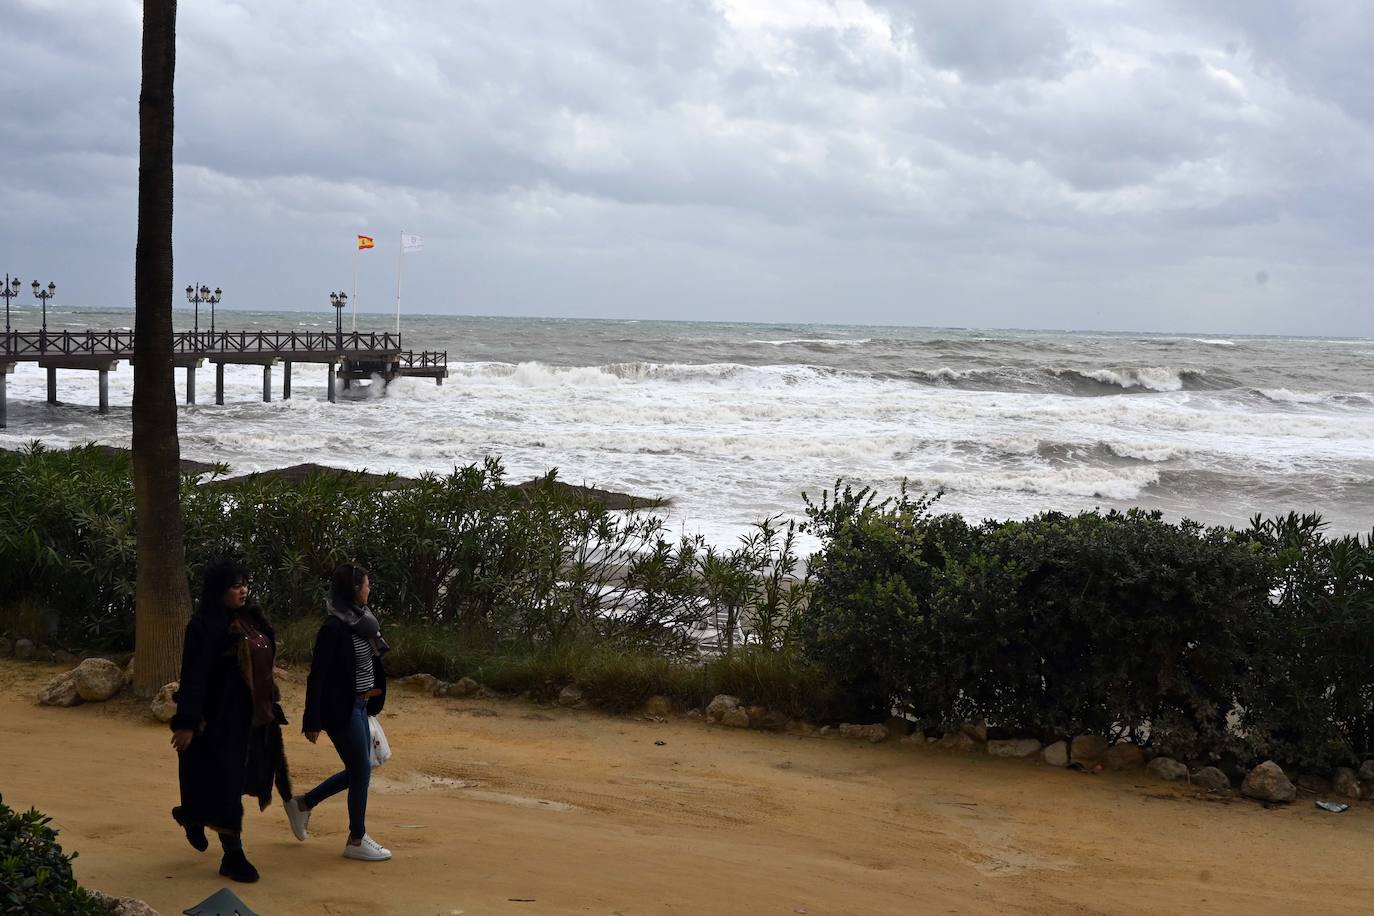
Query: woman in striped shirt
(347, 684)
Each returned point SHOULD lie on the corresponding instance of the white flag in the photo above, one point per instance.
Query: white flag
(412, 243)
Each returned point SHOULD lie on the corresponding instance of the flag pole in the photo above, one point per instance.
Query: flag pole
(400, 252)
(356, 248)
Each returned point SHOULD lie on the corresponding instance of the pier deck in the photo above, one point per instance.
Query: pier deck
(351, 356)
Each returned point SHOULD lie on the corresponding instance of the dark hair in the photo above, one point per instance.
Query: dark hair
(217, 579)
(345, 581)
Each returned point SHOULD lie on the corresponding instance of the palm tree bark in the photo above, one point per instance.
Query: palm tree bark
(163, 600)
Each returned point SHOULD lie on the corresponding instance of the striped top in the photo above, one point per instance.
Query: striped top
(364, 680)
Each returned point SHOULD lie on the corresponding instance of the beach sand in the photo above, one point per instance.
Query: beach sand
(503, 806)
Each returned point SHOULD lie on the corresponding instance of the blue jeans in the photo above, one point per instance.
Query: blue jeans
(354, 745)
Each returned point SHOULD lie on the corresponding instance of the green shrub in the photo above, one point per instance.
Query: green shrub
(35, 875)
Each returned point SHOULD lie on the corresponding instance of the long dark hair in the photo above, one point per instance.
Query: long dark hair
(217, 579)
(344, 583)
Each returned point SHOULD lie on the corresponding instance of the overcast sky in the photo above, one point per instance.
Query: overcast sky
(1155, 165)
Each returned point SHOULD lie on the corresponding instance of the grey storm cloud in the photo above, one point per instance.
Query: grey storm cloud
(1135, 165)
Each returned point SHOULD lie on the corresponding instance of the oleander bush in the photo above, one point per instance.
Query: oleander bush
(35, 874)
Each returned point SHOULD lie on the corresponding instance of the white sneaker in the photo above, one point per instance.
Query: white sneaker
(299, 819)
(369, 850)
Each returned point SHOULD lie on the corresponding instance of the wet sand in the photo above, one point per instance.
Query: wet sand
(503, 806)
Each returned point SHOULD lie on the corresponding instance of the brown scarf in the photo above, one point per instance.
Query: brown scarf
(256, 660)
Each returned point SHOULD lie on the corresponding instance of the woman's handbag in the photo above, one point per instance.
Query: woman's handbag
(381, 748)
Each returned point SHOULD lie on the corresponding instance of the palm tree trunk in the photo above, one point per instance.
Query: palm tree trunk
(163, 601)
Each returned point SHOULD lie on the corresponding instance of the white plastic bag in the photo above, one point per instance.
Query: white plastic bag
(381, 748)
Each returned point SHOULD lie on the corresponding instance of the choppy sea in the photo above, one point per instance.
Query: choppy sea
(734, 421)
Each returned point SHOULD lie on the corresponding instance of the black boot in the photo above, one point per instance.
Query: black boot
(195, 833)
(236, 865)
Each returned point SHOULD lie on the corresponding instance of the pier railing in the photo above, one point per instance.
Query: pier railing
(120, 344)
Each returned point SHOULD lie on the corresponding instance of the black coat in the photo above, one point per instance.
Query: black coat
(229, 757)
(330, 690)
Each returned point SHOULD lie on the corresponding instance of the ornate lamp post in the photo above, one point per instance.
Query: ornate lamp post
(196, 297)
(10, 290)
(339, 301)
(212, 298)
(43, 295)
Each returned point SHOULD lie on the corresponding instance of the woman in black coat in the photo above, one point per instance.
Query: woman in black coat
(227, 727)
(347, 684)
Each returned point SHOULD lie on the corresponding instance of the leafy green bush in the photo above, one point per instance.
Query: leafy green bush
(35, 875)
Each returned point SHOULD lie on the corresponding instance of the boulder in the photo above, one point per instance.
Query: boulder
(898, 726)
(1167, 769)
(735, 717)
(978, 731)
(715, 710)
(1088, 748)
(916, 738)
(24, 648)
(828, 731)
(164, 705)
(570, 695)
(463, 687)
(60, 691)
(756, 713)
(6, 646)
(802, 729)
(1013, 747)
(1367, 771)
(1124, 756)
(98, 679)
(660, 707)
(1211, 779)
(1346, 783)
(122, 906)
(958, 741)
(1267, 782)
(1056, 754)
(418, 683)
(870, 733)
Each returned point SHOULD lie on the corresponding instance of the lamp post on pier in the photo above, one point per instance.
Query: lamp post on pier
(196, 297)
(43, 295)
(10, 290)
(212, 298)
(339, 301)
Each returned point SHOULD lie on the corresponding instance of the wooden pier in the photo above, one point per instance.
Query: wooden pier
(350, 356)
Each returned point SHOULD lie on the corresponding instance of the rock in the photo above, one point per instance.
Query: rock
(1346, 783)
(715, 710)
(122, 906)
(1311, 782)
(802, 729)
(164, 705)
(6, 647)
(1014, 747)
(570, 695)
(1211, 779)
(24, 648)
(1167, 769)
(694, 713)
(1367, 771)
(898, 725)
(98, 679)
(1124, 756)
(1088, 748)
(1267, 782)
(1056, 754)
(916, 738)
(63, 657)
(756, 713)
(828, 731)
(463, 687)
(978, 731)
(419, 683)
(60, 691)
(957, 741)
(660, 707)
(735, 717)
(870, 733)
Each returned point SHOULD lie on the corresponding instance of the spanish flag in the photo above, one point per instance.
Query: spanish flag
(365, 241)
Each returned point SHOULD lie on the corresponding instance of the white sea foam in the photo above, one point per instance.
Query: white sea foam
(1151, 378)
(1214, 342)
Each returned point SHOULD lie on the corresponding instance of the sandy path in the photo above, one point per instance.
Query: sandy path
(507, 807)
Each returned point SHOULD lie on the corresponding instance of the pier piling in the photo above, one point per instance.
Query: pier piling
(52, 384)
(190, 384)
(267, 383)
(104, 384)
(286, 381)
(219, 384)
